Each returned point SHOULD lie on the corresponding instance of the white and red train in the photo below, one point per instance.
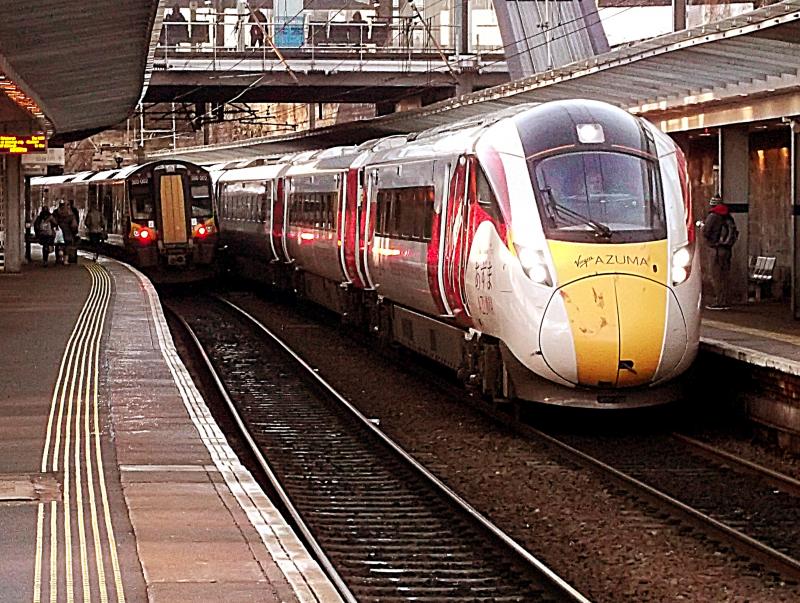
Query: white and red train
(545, 252)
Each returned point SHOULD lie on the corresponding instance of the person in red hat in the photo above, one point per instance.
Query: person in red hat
(720, 233)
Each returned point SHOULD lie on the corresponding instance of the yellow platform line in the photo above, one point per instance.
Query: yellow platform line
(112, 541)
(67, 496)
(77, 461)
(53, 552)
(91, 410)
(56, 401)
(77, 393)
(92, 382)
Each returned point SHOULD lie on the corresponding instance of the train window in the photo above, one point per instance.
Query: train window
(108, 204)
(486, 196)
(615, 195)
(142, 206)
(313, 210)
(92, 195)
(405, 213)
(201, 199)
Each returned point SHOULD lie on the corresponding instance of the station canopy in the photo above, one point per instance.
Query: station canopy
(83, 64)
(735, 70)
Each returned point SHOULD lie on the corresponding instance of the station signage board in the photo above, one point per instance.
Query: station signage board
(11, 144)
(35, 164)
(51, 156)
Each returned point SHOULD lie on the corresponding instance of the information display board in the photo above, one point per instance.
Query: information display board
(20, 145)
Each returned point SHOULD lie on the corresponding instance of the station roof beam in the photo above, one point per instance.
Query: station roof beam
(83, 63)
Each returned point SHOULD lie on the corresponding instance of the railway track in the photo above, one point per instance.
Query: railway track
(383, 526)
(754, 509)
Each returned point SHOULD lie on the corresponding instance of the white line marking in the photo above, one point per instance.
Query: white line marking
(726, 326)
(304, 575)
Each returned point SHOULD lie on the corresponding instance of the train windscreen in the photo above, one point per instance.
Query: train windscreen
(201, 198)
(599, 197)
(142, 206)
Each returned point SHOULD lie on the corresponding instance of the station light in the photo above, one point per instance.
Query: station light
(22, 100)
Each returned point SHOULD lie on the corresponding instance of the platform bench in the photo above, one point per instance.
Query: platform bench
(759, 273)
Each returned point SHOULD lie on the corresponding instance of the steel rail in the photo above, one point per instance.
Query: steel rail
(753, 547)
(781, 480)
(556, 581)
(323, 559)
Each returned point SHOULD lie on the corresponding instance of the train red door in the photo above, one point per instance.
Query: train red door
(349, 227)
(452, 243)
(366, 228)
(278, 217)
(455, 240)
(173, 209)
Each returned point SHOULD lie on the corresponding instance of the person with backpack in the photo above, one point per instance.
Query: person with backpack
(96, 227)
(68, 227)
(720, 233)
(45, 226)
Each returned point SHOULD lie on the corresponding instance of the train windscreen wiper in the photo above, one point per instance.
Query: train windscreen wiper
(555, 209)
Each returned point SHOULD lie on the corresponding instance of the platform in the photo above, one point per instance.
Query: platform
(764, 334)
(750, 361)
(116, 484)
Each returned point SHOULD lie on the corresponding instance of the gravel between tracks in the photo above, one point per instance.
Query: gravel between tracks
(593, 536)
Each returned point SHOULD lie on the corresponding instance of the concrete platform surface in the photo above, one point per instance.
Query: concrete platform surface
(764, 334)
(116, 484)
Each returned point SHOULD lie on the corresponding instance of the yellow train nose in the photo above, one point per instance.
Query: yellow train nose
(617, 323)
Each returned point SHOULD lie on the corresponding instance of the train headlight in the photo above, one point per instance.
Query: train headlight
(534, 265)
(681, 265)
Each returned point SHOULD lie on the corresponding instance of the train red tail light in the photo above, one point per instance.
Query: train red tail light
(202, 230)
(143, 234)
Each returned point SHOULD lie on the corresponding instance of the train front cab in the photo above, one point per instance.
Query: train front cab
(605, 273)
(172, 221)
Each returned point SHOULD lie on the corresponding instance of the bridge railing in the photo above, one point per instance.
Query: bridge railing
(400, 35)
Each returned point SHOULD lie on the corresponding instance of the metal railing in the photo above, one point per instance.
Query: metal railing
(220, 34)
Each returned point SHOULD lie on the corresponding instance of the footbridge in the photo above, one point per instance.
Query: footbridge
(327, 61)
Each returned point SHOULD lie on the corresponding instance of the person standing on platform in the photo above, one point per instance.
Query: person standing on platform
(76, 239)
(96, 227)
(68, 226)
(720, 233)
(45, 228)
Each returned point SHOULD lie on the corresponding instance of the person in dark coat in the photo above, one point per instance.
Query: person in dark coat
(175, 29)
(719, 231)
(75, 238)
(45, 228)
(96, 227)
(69, 228)
(259, 23)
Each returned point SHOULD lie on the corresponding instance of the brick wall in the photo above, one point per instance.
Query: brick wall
(725, 389)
